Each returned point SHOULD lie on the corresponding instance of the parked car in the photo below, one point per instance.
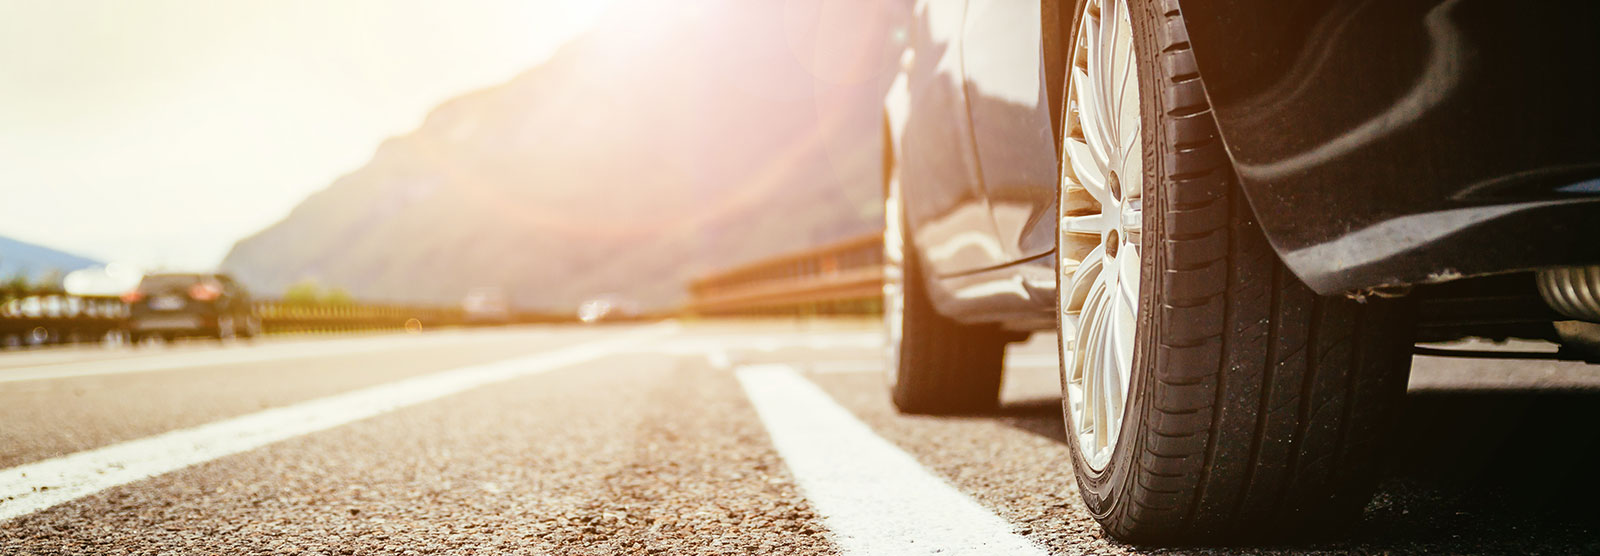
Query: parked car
(1328, 183)
(168, 306)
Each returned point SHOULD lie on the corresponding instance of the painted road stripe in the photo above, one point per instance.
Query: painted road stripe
(32, 487)
(875, 498)
(243, 355)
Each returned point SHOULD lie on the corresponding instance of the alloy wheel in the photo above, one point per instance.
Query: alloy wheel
(1102, 186)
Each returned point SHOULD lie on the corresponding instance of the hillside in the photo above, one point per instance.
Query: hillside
(665, 143)
(36, 261)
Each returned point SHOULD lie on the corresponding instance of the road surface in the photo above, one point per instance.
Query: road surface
(723, 437)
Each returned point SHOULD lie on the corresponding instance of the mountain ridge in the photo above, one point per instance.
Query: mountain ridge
(37, 261)
(619, 165)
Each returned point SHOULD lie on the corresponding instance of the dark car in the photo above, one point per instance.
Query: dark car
(172, 305)
(1330, 183)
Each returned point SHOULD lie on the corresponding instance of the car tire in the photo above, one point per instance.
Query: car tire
(227, 328)
(936, 365)
(1253, 408)
(252, 327)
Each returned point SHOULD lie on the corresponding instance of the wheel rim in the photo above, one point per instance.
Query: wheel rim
(1102, 186)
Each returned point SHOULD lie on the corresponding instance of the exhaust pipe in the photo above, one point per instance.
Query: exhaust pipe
(1573, 291)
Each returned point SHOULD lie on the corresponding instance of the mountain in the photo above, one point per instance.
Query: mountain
(673, 139)
(36, 261)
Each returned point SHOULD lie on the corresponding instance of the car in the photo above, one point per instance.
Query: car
(169, 306)
(607, 307)
(1329, 183)
(486, 305)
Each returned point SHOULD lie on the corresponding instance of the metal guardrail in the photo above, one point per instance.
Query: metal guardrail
(54, 319)
(60, 319)
(844, 277)
(280, 317)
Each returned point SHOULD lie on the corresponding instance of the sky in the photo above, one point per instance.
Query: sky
(159, 132)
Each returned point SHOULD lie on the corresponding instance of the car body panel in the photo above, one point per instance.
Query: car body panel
(1397, 142)
(945, 205)
(1011, 123)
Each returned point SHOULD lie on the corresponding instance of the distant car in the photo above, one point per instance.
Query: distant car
(486, 306)
(168, 306)
(606, 308)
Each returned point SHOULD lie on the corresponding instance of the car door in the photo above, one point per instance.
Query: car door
(1003, 51)
(943, 193)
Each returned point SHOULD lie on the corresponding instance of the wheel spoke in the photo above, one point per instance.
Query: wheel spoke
(1091, 116)
(1121, 71)
(1094, 364)
(1110, 382)
(1128, 277)
(1108, 67)
(1084, 279)
(1089, 173)
(1085, 224)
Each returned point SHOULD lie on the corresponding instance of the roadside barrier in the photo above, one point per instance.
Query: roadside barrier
(63, 319)
(844, 277)
(293, 318)
(55, 319)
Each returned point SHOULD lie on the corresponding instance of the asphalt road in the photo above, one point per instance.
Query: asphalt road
(748, 437)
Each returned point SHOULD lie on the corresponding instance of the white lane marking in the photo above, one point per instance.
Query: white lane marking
(874, 497)
(840, 367)
(718, 358)
(238, 355)
(1032, 360)
(32, 487)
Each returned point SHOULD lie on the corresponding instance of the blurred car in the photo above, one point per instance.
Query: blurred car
(168, 306)
(1328, 183)
(608, 307)
(486, 306)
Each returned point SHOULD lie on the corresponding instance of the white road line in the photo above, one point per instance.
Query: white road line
(1033, 360)
(875, 498)
(718, 358)
(237, 355)
(849, 366)
(32, 487)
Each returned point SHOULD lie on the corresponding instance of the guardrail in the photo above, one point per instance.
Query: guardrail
(278, 317)
(844, 277)
(60, 319)
(53, 319)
